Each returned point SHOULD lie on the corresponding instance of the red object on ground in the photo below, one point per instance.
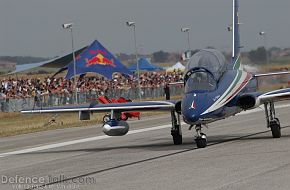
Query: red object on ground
(103, 100)
(124, 115)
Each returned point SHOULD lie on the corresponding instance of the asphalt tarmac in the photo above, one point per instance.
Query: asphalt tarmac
(241, 154)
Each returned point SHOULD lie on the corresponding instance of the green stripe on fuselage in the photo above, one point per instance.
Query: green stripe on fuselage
(234, 84)
(237, 63)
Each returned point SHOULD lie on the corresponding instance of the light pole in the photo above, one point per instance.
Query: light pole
(132, 24)
(69, 26)
(264, 35)
(188, 39)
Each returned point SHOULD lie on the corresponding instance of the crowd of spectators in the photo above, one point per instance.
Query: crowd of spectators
(13, 88)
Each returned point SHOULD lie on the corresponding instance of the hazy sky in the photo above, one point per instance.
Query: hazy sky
(33, 27)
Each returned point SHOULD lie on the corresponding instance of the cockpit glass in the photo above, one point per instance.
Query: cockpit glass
(210, 59)
(200, 80)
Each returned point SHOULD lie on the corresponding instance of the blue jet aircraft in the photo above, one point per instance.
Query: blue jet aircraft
(214, 90)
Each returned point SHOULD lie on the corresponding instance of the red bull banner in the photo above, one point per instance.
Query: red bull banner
(97, 59)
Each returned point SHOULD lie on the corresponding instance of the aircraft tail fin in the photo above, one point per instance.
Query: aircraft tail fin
(236, 55)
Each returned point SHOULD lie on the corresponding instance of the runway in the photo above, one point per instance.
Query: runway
(241, 154)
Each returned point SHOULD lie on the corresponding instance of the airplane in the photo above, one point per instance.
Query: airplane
(213, 90)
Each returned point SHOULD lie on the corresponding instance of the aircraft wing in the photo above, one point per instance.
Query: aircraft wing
(120, 107)
(272, 74)
(276, 95)
(271, 96)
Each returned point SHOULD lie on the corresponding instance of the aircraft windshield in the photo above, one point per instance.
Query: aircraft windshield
(200, 80)
(210, 59)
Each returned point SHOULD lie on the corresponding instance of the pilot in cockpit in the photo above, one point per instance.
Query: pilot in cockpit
(204, 70)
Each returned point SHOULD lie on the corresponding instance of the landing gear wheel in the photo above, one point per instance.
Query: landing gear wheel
(176, 128)
(275, 128)
(201, 141)
(177, 139)
(176, 136)
(272, 121)
(107, 118)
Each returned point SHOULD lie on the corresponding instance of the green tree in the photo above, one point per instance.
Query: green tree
(160, 56)
(259, 55)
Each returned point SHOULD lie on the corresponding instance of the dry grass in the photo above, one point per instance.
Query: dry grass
(274, 67)
(270, 87)
(16, 123)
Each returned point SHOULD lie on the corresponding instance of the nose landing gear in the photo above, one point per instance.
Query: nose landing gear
(200, 139)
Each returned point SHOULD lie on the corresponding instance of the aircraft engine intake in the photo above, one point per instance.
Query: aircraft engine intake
(116, 128)
(248, 102)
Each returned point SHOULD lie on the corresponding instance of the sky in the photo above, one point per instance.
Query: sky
(33, 27)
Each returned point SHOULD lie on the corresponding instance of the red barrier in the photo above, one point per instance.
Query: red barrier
(124, 115)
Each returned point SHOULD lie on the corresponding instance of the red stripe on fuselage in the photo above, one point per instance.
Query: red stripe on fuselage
(244, 83)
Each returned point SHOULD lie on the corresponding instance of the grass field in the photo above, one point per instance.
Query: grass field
(16, 123)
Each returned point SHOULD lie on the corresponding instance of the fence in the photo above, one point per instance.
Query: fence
(14, 105)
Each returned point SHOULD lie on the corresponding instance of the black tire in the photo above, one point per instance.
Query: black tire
(106, 118)
(276, 130)
(201, 142)
(177, 139)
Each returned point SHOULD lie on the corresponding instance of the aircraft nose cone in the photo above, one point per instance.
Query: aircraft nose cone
(191, 109)
(190, 117)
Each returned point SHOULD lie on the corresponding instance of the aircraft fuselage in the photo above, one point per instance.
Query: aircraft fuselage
(205, 106)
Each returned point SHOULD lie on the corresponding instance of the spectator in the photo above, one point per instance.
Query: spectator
(25, 88)
(167, 91)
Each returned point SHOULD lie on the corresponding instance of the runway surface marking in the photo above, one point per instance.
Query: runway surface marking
(147, 160)
(62, 144)
(67, 143)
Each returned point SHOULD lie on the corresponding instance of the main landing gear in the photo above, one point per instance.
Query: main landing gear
(176, 128)
(272, 121)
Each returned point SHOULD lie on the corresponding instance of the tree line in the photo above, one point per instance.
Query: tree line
(257, 56)
(22, 59)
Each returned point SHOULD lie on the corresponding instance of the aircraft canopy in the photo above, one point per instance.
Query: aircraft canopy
(210, 59)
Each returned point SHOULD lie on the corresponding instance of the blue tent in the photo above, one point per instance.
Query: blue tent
(96, 58)
(145, 65)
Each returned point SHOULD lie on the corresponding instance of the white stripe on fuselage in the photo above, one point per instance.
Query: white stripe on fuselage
(217, 104)
(223, 100)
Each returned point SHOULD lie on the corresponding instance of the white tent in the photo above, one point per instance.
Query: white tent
(177, 67)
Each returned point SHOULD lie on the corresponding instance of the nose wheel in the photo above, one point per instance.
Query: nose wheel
(200, 139)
